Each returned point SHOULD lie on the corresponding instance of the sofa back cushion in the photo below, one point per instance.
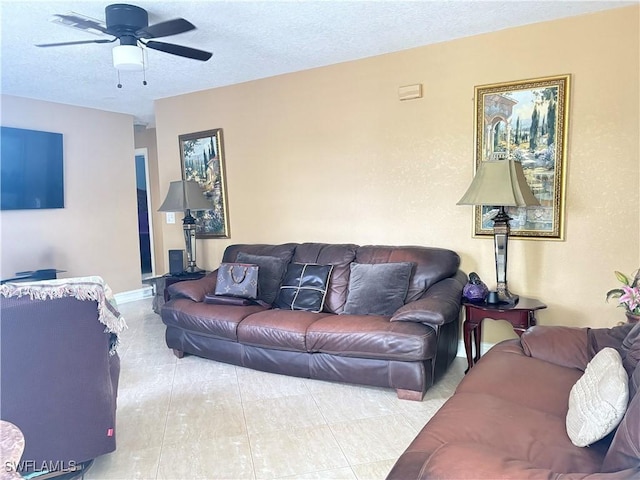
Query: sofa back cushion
(624, 451)
(338, 255)
(270, 273)
(631, 350)
(431, 264)
(284, 251)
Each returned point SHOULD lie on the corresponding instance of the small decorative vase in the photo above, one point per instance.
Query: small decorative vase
(475, 290)
(631, 318)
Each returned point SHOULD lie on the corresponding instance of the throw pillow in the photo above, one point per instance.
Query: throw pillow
(598, 400)
(304, 287)
(270, 273)
(377, 288)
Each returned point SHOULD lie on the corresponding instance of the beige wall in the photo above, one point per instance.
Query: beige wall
(97, 231)
(332, 155)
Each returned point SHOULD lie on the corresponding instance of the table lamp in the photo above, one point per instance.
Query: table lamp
(500, 183)
(184, 196)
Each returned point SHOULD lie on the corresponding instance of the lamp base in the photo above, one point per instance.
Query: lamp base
(193, 269)
(504, 295)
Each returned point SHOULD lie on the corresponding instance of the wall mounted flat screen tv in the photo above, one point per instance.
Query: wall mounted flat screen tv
(31, 169)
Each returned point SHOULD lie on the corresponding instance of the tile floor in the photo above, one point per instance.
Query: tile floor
(198, 419)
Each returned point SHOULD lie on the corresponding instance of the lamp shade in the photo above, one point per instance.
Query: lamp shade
(129, 57)
(185, 195)
(499, 183)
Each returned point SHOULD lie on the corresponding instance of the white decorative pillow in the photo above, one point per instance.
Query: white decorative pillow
(598, 400)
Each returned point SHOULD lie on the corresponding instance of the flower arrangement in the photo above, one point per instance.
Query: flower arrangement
(629, 294)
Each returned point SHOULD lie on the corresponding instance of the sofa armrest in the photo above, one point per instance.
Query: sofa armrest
(194, 289)
(465, 460)
(564, 346)
(440, 304)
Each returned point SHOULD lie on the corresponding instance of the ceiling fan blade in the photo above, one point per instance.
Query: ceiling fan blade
(179, 50)
(164, 29)
(80, 23)
(80, 42)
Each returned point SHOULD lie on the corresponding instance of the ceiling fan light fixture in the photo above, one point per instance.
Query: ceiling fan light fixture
(129, 57)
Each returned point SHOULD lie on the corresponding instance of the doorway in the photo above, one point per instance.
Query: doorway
(145, 226)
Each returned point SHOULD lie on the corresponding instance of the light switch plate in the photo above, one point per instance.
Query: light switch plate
(171, 217)
(409, 92)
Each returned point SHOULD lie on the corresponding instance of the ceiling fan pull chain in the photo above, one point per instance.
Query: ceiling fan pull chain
(119, 84)
(144, 69)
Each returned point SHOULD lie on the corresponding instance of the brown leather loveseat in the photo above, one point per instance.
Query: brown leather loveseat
(508, 416)
(406, 349)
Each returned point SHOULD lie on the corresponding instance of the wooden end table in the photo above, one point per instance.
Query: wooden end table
(521, 316)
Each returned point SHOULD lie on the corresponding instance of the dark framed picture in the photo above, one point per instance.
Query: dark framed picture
(202, 160)
(526, 121)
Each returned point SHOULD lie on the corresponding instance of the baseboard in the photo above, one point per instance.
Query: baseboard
(134, 295)
(483, 347)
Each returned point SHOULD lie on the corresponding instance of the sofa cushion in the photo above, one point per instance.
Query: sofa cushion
(377, 288)
(456, 460)
(630, 350)
(284, 251)
(624, 451)
(565, 346)
(598, 400)
(613, 337)
(371, 336)
(304, 287)
(432, 264)
(270, 273)
(338, 255)
(509, 374)
(278, 329)
(218, 321)
(512, 430)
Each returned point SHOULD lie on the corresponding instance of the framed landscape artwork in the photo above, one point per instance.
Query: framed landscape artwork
(526, 121)
(202, 160)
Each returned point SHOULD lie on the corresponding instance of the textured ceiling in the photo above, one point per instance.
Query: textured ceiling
(249, 40)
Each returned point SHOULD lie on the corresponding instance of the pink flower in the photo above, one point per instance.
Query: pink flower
(631, 297)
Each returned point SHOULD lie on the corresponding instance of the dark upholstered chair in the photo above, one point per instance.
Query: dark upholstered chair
(59, 380)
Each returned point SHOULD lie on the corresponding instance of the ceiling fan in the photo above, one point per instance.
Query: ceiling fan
(130, 25)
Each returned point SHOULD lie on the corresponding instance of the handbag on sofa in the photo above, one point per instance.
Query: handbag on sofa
(238, 280)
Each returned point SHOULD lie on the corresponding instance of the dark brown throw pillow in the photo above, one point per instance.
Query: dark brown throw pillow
(377, 288)
(304, 287)
(270, 273)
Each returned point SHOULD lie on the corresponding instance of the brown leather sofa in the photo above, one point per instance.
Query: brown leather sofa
(407, 350)
(506, 419)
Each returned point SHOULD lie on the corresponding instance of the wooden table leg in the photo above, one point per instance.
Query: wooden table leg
(478, 337)
(467, 332)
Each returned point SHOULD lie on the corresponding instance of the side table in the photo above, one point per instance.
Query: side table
(521, 316)
(163, 282)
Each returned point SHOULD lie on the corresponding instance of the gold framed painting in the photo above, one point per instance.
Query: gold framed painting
(526, 121)
(202, 160)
